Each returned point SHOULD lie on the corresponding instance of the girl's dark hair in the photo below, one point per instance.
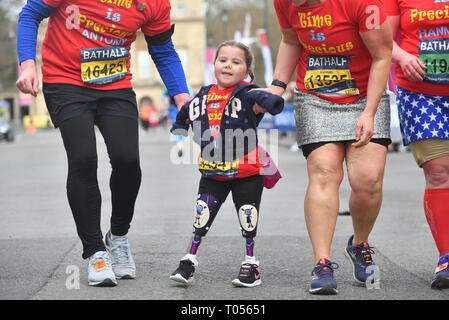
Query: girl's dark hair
(249, 57)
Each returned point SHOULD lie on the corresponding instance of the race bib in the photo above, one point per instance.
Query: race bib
(103, 65)
(434, 53)
(329, 75)
(218, 168)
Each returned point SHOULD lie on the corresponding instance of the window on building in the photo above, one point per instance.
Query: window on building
(143, 61)
(183, 57)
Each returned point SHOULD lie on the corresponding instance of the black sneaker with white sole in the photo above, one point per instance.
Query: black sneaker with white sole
(184, 273)
(249, 276)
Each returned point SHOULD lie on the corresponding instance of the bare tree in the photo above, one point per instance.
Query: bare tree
(223, 18)
(9, 11)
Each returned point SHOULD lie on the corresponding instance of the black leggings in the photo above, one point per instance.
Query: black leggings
(121, 137)
(245, 191)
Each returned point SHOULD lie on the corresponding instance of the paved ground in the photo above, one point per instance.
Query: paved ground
(40, 254)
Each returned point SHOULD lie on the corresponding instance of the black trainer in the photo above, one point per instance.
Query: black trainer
(184, 273)
(249, 276)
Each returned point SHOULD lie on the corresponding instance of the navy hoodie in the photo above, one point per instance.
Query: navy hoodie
(238, 131)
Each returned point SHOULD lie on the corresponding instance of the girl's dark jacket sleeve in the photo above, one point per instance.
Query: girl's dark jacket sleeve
(272, 103)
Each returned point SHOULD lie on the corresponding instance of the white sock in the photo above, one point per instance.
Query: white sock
(191, 257)
(251, 260)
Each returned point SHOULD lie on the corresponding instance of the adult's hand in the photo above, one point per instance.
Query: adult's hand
(379, 43)
(412, 67)
(28, 82)
(364, 130)
(273, 90)
(181, 99)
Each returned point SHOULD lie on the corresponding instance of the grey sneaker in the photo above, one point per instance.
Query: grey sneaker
(122, 261)
(100, 271)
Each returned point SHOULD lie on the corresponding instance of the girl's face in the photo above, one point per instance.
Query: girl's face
(230, 67)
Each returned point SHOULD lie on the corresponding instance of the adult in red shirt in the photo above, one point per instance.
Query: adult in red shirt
(422, 72)
(87, 82)
(341, 50)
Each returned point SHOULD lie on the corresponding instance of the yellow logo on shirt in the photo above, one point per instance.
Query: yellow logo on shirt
(87, 23)
(216, 97)
(119, 3)
(324, 49)
(421, 15)
(316, 21)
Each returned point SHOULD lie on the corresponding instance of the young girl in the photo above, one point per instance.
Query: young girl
(224, 123)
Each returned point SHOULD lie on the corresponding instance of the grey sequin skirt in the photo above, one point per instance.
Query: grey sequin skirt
(319, 120)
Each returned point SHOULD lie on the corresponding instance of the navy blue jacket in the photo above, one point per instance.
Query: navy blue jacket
(238, 132)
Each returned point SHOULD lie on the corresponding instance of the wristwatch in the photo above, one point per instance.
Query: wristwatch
(279, 83)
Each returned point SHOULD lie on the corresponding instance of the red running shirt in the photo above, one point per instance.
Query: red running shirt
(216, 102)
(334, 63)
(424, 27)
(87, 42)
